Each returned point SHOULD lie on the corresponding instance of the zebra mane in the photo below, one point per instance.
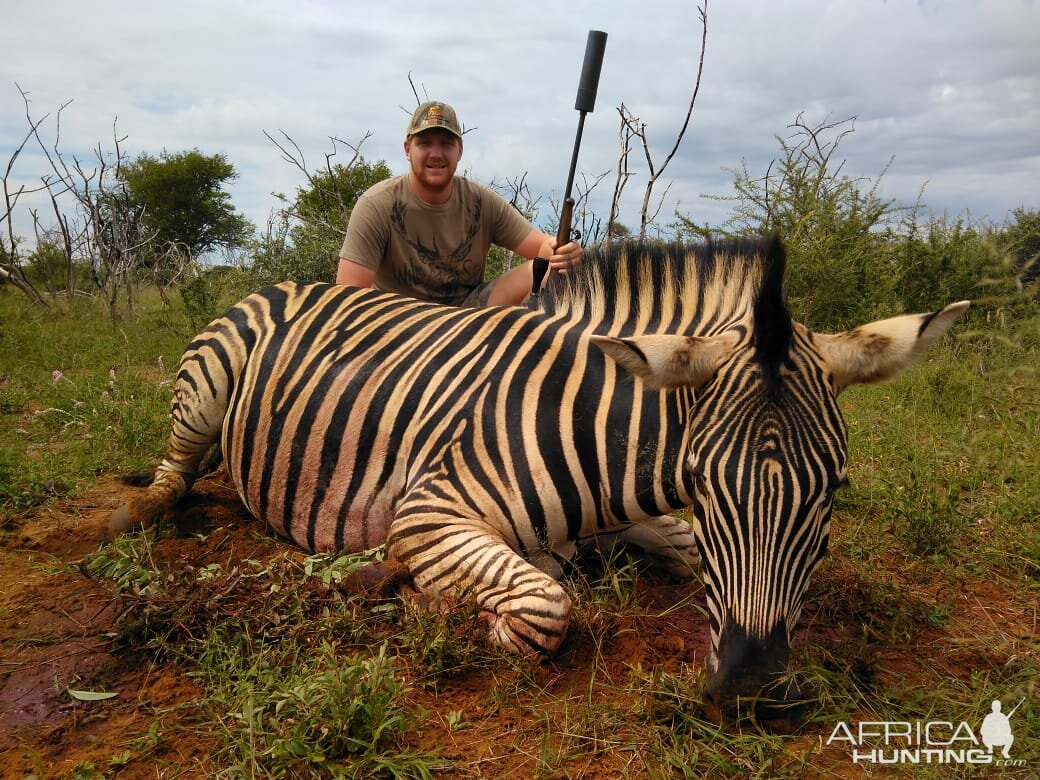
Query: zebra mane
(630, 288)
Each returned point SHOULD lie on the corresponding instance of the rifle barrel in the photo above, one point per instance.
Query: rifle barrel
(574, 156)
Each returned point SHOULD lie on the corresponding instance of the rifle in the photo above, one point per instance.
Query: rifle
(584, 103)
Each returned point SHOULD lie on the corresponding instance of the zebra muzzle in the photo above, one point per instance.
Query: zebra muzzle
(750, 680)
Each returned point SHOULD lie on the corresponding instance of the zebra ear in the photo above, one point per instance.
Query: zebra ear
(670, 361)
(884, 349)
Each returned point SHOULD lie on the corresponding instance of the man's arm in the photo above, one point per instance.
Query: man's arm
(366, 239)
(513, 287)
(354, 274)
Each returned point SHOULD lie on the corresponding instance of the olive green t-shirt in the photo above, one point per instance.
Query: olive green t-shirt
(431, 252)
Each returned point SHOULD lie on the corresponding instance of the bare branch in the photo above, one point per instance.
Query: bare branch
(623, 174)
(418, 100)
(518, 193)
(655, 174)
(590, 224)
(331, 188)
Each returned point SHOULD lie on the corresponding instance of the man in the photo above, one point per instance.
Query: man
(426, 234)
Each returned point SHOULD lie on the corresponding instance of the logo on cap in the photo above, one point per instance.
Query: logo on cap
(434, 114)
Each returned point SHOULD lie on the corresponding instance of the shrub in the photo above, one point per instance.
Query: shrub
(214, 290)
(297, 714)
(1020, 239)
(852, 256)
(939, 262)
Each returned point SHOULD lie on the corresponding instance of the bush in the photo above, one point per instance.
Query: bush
(1020, 240)
(853, 257)
(303, 254)
(47, 269)
(215, 290)
(311, 714)
(939, 262)
(303, 240)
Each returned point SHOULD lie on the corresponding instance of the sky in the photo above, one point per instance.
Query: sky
(945, 94)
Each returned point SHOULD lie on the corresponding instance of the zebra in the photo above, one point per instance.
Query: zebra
(484, 445)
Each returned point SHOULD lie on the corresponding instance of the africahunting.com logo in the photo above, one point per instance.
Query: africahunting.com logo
(932, 741)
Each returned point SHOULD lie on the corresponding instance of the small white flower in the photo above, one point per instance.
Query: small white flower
(162, 365)
(57, 376)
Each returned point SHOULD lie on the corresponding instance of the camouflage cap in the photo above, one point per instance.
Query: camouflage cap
(433, 114)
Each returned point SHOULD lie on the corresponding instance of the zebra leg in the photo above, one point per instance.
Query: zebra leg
(526, 609)
(667, 542)
(197, 416)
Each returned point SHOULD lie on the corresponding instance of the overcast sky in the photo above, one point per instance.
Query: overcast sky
(950, 89)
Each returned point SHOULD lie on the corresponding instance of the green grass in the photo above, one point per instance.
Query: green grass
(299, 677)
(943, 462)
(288, 711)
(80, 395)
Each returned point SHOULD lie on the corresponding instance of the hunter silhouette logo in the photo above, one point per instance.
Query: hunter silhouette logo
(931, 742)
(996, 729)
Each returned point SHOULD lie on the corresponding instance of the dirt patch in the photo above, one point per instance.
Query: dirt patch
(58, 627)
(56, 637)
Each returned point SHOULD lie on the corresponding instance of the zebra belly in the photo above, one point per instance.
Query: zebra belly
(322, 500)
(315, 460)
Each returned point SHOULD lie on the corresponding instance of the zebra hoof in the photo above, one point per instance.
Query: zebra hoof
(377, 580)
(119, 522)
(123, 519)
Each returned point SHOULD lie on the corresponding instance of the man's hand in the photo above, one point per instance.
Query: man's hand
(561, 260)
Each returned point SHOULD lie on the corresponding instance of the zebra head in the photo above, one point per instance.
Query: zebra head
(767, 449)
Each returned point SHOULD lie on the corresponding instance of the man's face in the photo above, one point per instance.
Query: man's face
(433, 155)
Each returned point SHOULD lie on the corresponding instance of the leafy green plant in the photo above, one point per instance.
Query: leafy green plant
(303, 240)
(127, 563)
(212, 291)
(1020, 238)
(443, 643)
(287, 712)
(852, 255)
(938, 261)
(928, 519)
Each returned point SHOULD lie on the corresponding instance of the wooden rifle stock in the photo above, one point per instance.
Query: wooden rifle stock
(563, 235)
(541, 264)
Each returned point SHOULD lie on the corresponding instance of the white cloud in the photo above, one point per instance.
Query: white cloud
(950, 89)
